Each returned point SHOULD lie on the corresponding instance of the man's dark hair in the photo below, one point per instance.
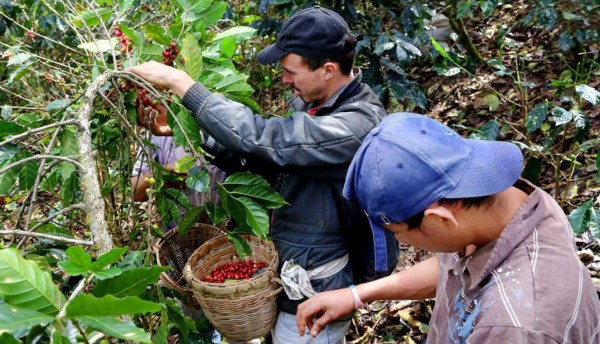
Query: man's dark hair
(414, 221)
(346, 59)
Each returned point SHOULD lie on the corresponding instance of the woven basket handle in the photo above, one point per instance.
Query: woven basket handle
(187, 274)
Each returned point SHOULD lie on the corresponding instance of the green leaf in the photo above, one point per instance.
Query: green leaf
(239, 89)
(108, 258)
(192, 55)
(112, 327)
(242, 248)
(162, 330)
(28, 174)
(231, 206)
(68, 148)
(7, 181)
(492, 101)
(157, 34)
(244, 178)
(137, 40)
(409, 47)
(130, 282)
(108, 273)
(561, 116)
(58, 338)
(23, 284)
(216, 213)
(197, 180)
(262, 194)
(464, 8)
(579, 217)
(228, 80)
(57, 104)
(125, 5)
(594, 222)
(78, 261)
(99, 46)
(10, 128)
(109, 305)
(195, 6)
(184, 164)
(240, 33)
(6, 338)
(490, 130)
(214, 13)
(189, 219)
(598, 163)
(190, 126)
(536, 117)
(588, 93)
(256, 216)
(488, 7)
(228, 46)
(7, 152)
(14, 319)
(19, 60)
(565, 41)
(91, 18)
(440, 49)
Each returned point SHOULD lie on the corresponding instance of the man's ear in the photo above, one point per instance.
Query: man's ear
(329, 69)
(445, 215)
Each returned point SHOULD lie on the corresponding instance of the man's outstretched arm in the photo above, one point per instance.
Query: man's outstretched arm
(415, 283)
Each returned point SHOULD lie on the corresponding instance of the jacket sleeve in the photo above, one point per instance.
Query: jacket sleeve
(297, 140)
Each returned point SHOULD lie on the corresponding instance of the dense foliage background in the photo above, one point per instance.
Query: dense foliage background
(523, 71)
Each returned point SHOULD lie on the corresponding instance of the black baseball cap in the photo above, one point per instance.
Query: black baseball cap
(314, 32)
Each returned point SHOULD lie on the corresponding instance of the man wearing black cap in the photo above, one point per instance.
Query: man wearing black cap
(305, 156)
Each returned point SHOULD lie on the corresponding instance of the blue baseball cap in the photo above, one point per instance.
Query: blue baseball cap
(411, 161)
(315, 32)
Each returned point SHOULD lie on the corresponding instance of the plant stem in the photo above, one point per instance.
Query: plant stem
(46, 236)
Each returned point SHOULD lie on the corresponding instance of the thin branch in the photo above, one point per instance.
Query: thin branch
(40, 157)
(45, 236)
(60, 212)
(82, 284)
(31, 197)
(40, 35)
(33, 131)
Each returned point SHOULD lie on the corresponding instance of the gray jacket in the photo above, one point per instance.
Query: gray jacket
(305, 157)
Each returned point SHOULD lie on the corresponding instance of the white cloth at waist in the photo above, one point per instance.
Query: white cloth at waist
(296, 280)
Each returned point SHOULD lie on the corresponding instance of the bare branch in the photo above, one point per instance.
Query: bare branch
(60, 212)
(88, 180)
(36, 130)
(46, 236)
(41, 157)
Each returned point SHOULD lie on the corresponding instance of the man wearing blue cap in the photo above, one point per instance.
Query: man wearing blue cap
(305, 156)
(506, 269)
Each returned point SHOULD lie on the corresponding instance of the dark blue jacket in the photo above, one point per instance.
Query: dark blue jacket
(305, 157)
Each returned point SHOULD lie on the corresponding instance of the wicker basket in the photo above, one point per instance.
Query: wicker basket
(174, 250)
(240, 310)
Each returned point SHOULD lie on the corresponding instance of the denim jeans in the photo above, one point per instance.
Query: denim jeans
(286, 332)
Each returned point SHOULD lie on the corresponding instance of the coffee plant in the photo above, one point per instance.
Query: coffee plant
(68, 137)
(79, 249)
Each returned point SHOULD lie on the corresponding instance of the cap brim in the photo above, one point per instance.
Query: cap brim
(380, 246)
(495, 166)
(270, 54)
